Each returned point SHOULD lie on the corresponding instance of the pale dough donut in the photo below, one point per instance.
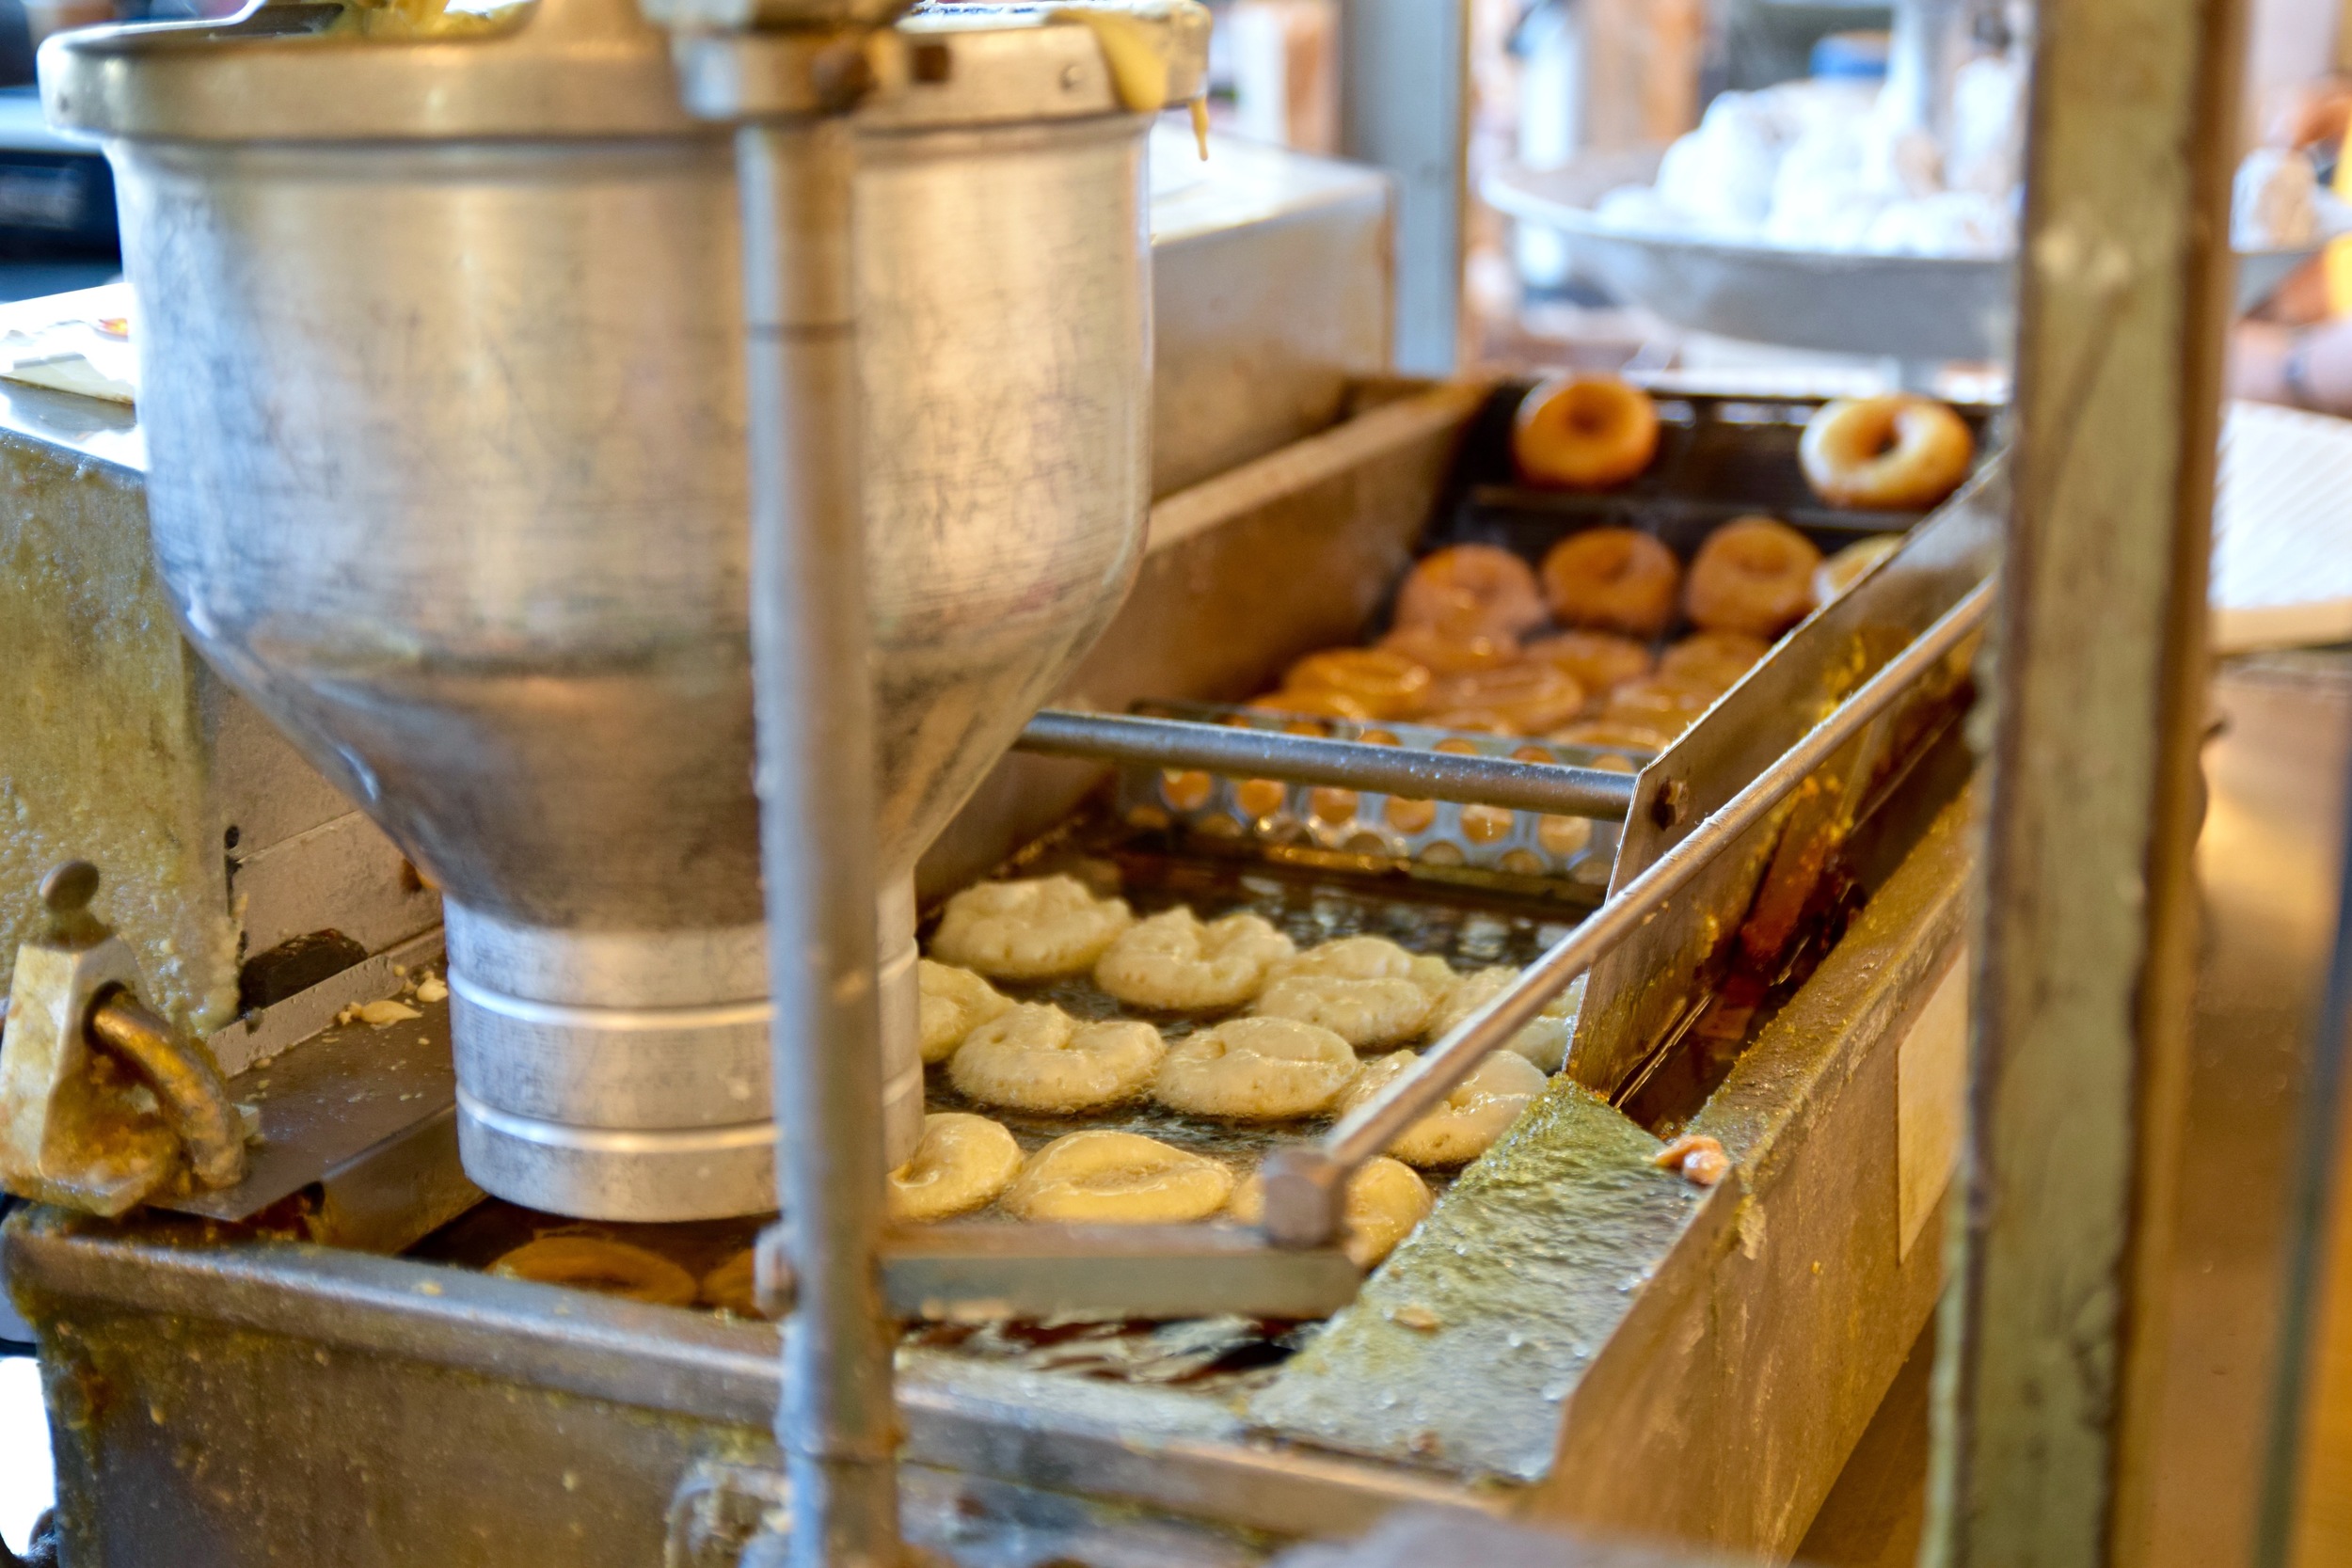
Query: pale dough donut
(732, 1287)
(962, 1163)
(1612, 580)
(1544, 1042)
(1584, 433)
(1039, 1058)
(1467, 587)
(1845, 569)
(1036, 930)
(1530, 697)
(1385, 682)
(1467, 1121)
(1173, 963)
(1098, 1177)
(1893, 453)
(1752, 575)
(1717, 658)
(593, 1264)
(1370, 1015)
(1347, 958)
(1597, 659)
(954, 1003)
(1255, 1069)
(1386, 1199)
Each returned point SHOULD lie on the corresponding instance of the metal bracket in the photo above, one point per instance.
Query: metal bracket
(719, 1509)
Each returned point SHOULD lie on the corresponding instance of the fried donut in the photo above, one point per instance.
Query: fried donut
(733, 1286)
(1446, 653)
(1897, 452)
(954, 1003)
(608, 1267)
(1612, 580)
(1717, 658)
(1173, 963)
(1544, 1042)
(1467, 1121)
(1312, 704)
(1370, 1015)
(1386, 1199)
(1255, 1069)
(1530, 697)
(1348, 958)
(1387, 683)
(1584, 433)
(1464, 588)
(1613, 732)
(1039, 1058)
(1753, 575)
(1663, 704)
(1103, 1177)
(962, 1163)
(1847, 567)
(1597, 660)
(1036, 929)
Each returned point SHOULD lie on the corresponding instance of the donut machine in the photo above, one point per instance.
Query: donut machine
(446, 588)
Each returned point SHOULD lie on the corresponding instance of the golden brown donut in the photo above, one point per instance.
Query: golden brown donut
(1528, 697)
(1312, 704)
(1850, 566)
(1666, 704)
(1716, 658)
(1598, 660)
(594, 1263)
(1612, 732)
(1584, 433)
(733, 1286)
(1753, 575)
(1612, 580)
(1387, 683)
(1896, 453)
(1465, 586)
(1445, 652)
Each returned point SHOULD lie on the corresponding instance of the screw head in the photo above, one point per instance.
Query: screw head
(1671, 804)
(70, 887)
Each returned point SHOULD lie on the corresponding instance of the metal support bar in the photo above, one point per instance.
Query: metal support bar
(1303, 1186)
(837, 1425)
(1473, 781)
(957, 1273)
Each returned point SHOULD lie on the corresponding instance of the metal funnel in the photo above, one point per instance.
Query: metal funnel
(443, 390)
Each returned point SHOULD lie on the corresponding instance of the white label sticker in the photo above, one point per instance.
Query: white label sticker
(1930, 1097)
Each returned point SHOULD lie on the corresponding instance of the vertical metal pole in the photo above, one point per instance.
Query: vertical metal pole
(837, 1425)
(2052, 1358)
(1405, 105)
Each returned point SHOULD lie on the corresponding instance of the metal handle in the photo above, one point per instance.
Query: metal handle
(187, 1088)
(1469, 779)
(1303, 1186)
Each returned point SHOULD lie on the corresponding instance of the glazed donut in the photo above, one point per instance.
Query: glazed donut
(1530, 697)
(1584, 433)
(1173, 963)
(1255, 1069)
(1845, 569)
(1036, 929)
(1753, 575)
(1467, 1121)
(594, 1263)
(1386, 1199)
(1448, 652)
(962, 1163)
(1663, 703)
(1612, 732)
(1894, 453)
(1717, 658)
(1039, 1058)
(1464, 587)
(954, 1002)
(732, 1287)
(1597, 659)
(1387, 683)
(1103, 1177)
(1612, 580)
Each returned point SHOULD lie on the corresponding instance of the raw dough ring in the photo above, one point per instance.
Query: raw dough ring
(594, 1263)
(1472, 587)
(1894, 453)
(1039, 1058)
(1255, 1069)
(1752, 575)
(1467, 1123)
(955, 1001)
(1386, 1199)
(962, 1163)
(1544, 1042)
(1584, 433)
(1612, 580)
(1174, 964)
(1036, 929)
(1370, 1015)
(1102, 1178)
